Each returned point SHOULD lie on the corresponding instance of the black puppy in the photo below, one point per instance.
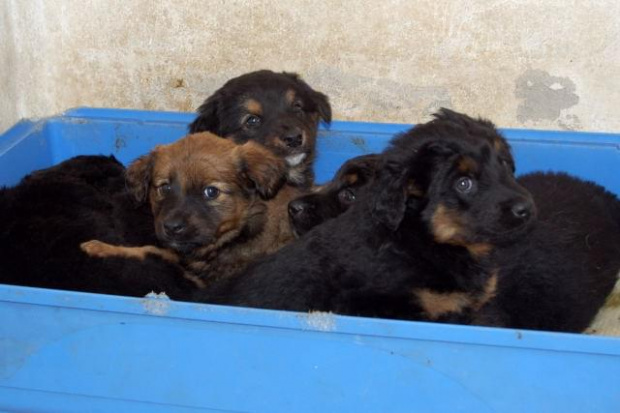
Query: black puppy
(559, 276)
(277, 110)
(335, 197)
(417, 243)
(52, 211)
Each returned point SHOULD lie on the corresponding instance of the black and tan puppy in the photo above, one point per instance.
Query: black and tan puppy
(335, 197)
(277, 110)
(216, 205)
(52, 211)
(445, 233)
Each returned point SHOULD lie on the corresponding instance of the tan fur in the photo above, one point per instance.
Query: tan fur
(446, 225)
(448, 228)
(254, 107)
(100, 249)
(437, 304)
(351, 178)
(467, 165)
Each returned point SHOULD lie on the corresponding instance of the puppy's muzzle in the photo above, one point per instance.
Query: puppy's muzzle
(174, 228)
(297, 208)
(293, 139)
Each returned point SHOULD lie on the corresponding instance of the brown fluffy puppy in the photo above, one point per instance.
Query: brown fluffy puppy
(216, 205)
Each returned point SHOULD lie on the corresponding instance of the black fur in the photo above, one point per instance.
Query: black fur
(336, 196)
(502, 267)
(286, 126)
(52, 211)
(559, 276)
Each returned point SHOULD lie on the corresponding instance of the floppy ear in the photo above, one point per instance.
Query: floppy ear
(404, 182)
(262, 170)
(358, 170)
(138, 177)
(391, 201)
(207, 120)
(325, 109)
(321, 100)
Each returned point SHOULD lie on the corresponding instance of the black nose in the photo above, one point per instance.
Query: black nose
(292, 139)
(522, 210)
(174, 227)
(296, 207)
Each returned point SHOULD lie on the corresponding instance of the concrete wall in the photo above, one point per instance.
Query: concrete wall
(541, 64)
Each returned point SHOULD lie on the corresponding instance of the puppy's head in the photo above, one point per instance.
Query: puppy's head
(335, 197)
(277, 110)
(203, 189)
(455, 175)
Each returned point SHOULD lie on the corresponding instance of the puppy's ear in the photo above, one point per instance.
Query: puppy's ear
(138, 177)
(208, 116)
(321, 100)
(260, 168)
(325, 109)
(391, 201)
(404, 181)
(358, 170)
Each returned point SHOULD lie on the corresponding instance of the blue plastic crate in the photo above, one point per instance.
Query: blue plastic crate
(79, 352)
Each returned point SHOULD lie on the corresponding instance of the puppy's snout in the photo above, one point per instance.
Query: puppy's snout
(522, 209)
(292, 139)
(174, 227)
(297, 207)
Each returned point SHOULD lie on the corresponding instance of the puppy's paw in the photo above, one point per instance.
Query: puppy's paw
(95, 248)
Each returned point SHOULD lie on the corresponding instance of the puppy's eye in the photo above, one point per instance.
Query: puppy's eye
(211, 192)
(164, 189)
(346, 196)
(464, 184)
(253, 121)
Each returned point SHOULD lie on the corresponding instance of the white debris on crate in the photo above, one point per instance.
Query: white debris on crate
(321, 321)
(156, 304)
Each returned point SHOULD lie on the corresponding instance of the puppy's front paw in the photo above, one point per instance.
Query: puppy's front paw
(96, 248)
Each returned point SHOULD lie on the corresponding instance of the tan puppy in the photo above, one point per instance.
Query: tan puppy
(217, 206)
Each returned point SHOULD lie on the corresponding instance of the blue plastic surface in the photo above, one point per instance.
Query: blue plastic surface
(78, 352)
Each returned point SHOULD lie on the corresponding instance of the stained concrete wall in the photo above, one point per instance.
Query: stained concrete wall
(552, 64)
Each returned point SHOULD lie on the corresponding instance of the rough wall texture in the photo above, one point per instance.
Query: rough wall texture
(553, 64)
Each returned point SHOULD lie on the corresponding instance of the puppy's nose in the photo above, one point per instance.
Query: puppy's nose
(522, 209)
(174, 227)
(297, 207)
(292, 139)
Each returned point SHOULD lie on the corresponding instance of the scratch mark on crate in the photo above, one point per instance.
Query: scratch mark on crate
(360, 143)
(119, 144)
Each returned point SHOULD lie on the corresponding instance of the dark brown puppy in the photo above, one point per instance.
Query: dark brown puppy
(209, 201)
(277, 110)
